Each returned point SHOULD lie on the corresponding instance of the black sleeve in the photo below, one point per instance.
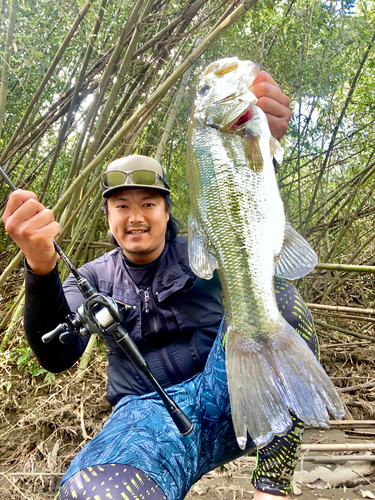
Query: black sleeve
(45, 307)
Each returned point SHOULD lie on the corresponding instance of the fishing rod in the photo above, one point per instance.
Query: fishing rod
(100, 314)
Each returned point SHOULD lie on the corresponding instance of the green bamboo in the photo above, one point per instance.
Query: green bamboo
(13, 325)
(46, 78)
(9, 313)
(85, 358)
(156, 96)
(74, 99)
(6, 58)
(11, 267)
(98, 136)
(346, 267)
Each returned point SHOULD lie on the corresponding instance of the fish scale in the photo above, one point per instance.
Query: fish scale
(237, 225)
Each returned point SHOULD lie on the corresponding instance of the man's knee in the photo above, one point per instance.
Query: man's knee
(116, 481)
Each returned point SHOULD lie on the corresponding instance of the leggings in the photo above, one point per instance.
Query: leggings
(110, 482)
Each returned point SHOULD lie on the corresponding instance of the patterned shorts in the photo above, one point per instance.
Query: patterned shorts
(141, 433)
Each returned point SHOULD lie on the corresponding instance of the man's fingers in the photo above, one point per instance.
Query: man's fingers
(41, 222)
(272, 107)
(273, 102)
(16, 200)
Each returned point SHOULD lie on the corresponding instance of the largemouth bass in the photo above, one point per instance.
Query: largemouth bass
(237, 225)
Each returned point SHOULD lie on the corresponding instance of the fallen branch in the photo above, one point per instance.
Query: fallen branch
(353, 317)
(338, 447)
(356, 387)
(343, 330)
(346, 267)
(338, 458)
(352, 423)
(352, 310)
(32, 474)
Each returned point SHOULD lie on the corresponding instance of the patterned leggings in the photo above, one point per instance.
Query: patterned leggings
(110, 481)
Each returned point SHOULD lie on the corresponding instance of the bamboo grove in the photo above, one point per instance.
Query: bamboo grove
(83, 83)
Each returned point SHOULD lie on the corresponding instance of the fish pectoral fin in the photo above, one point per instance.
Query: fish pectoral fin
(276, 150)
(297, 258)
(202, 262)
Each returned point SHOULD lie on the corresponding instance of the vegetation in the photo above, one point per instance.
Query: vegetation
(83, 83)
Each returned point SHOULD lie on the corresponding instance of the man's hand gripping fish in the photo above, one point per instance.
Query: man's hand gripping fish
(237, 225)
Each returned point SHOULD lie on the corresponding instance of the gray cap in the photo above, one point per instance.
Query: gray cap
(131, 164)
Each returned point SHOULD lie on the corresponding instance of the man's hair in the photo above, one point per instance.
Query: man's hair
(174, 226)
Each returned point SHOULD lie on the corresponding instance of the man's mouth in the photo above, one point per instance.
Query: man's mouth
(137, 231)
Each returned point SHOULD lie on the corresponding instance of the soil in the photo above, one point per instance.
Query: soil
(44, 424)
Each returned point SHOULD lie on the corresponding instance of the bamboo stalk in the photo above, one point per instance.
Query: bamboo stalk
(351, 423)
(9, 313)
(344, 316)
(337, 458)
(10, 267)
(12, 325)
(336, 129)
(6, 57)
(343, 330)
(85, 358)
(173, 111)
(47, 76)
(353, 310)
(120, 76)
(338, 447)
(75, 96)
(357, 387)
(350, 268)
(156, 96)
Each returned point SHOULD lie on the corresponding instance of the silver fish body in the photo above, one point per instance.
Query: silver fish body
(237, 225)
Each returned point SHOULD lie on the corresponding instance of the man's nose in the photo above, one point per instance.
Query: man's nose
(136, 214)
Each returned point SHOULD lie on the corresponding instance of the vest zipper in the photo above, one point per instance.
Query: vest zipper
(147, 299)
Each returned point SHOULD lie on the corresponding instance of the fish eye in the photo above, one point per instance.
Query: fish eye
(203, 89)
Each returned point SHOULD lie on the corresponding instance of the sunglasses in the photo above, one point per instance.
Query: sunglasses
(116, 178)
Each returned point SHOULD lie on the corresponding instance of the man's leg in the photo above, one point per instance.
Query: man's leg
(141, 436)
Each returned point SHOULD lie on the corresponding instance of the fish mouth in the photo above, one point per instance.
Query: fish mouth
(240, 120)
(243, 118)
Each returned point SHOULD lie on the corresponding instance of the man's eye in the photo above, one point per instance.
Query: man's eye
(203, 89)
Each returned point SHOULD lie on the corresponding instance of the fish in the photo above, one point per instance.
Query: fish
(237, 225)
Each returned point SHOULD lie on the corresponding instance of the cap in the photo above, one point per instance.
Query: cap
(132, 164)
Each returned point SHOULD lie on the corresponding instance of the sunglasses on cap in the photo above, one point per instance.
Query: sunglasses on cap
(115, 178)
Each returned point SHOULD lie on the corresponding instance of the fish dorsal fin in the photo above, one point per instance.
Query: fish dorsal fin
(297, 258)
(201, 261)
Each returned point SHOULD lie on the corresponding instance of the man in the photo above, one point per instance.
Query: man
(174, 317)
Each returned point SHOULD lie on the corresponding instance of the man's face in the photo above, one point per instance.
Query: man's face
(138, 219)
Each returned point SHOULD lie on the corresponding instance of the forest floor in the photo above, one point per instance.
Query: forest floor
(43, 424)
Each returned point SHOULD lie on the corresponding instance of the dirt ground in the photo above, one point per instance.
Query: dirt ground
(43, 425)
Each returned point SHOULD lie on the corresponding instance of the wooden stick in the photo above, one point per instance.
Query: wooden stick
(343, 330)
(31, 474)
(338, 447)
(345, 267)
(338, 458)
(354, 317)
(352, 423)
(352, 310)
(356, 387)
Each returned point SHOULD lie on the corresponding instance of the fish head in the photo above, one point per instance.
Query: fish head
(223, 97)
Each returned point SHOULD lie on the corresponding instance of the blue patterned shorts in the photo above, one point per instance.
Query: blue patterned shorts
(141, 433)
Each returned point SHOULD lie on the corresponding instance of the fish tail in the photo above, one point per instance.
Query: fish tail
(267, 381)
